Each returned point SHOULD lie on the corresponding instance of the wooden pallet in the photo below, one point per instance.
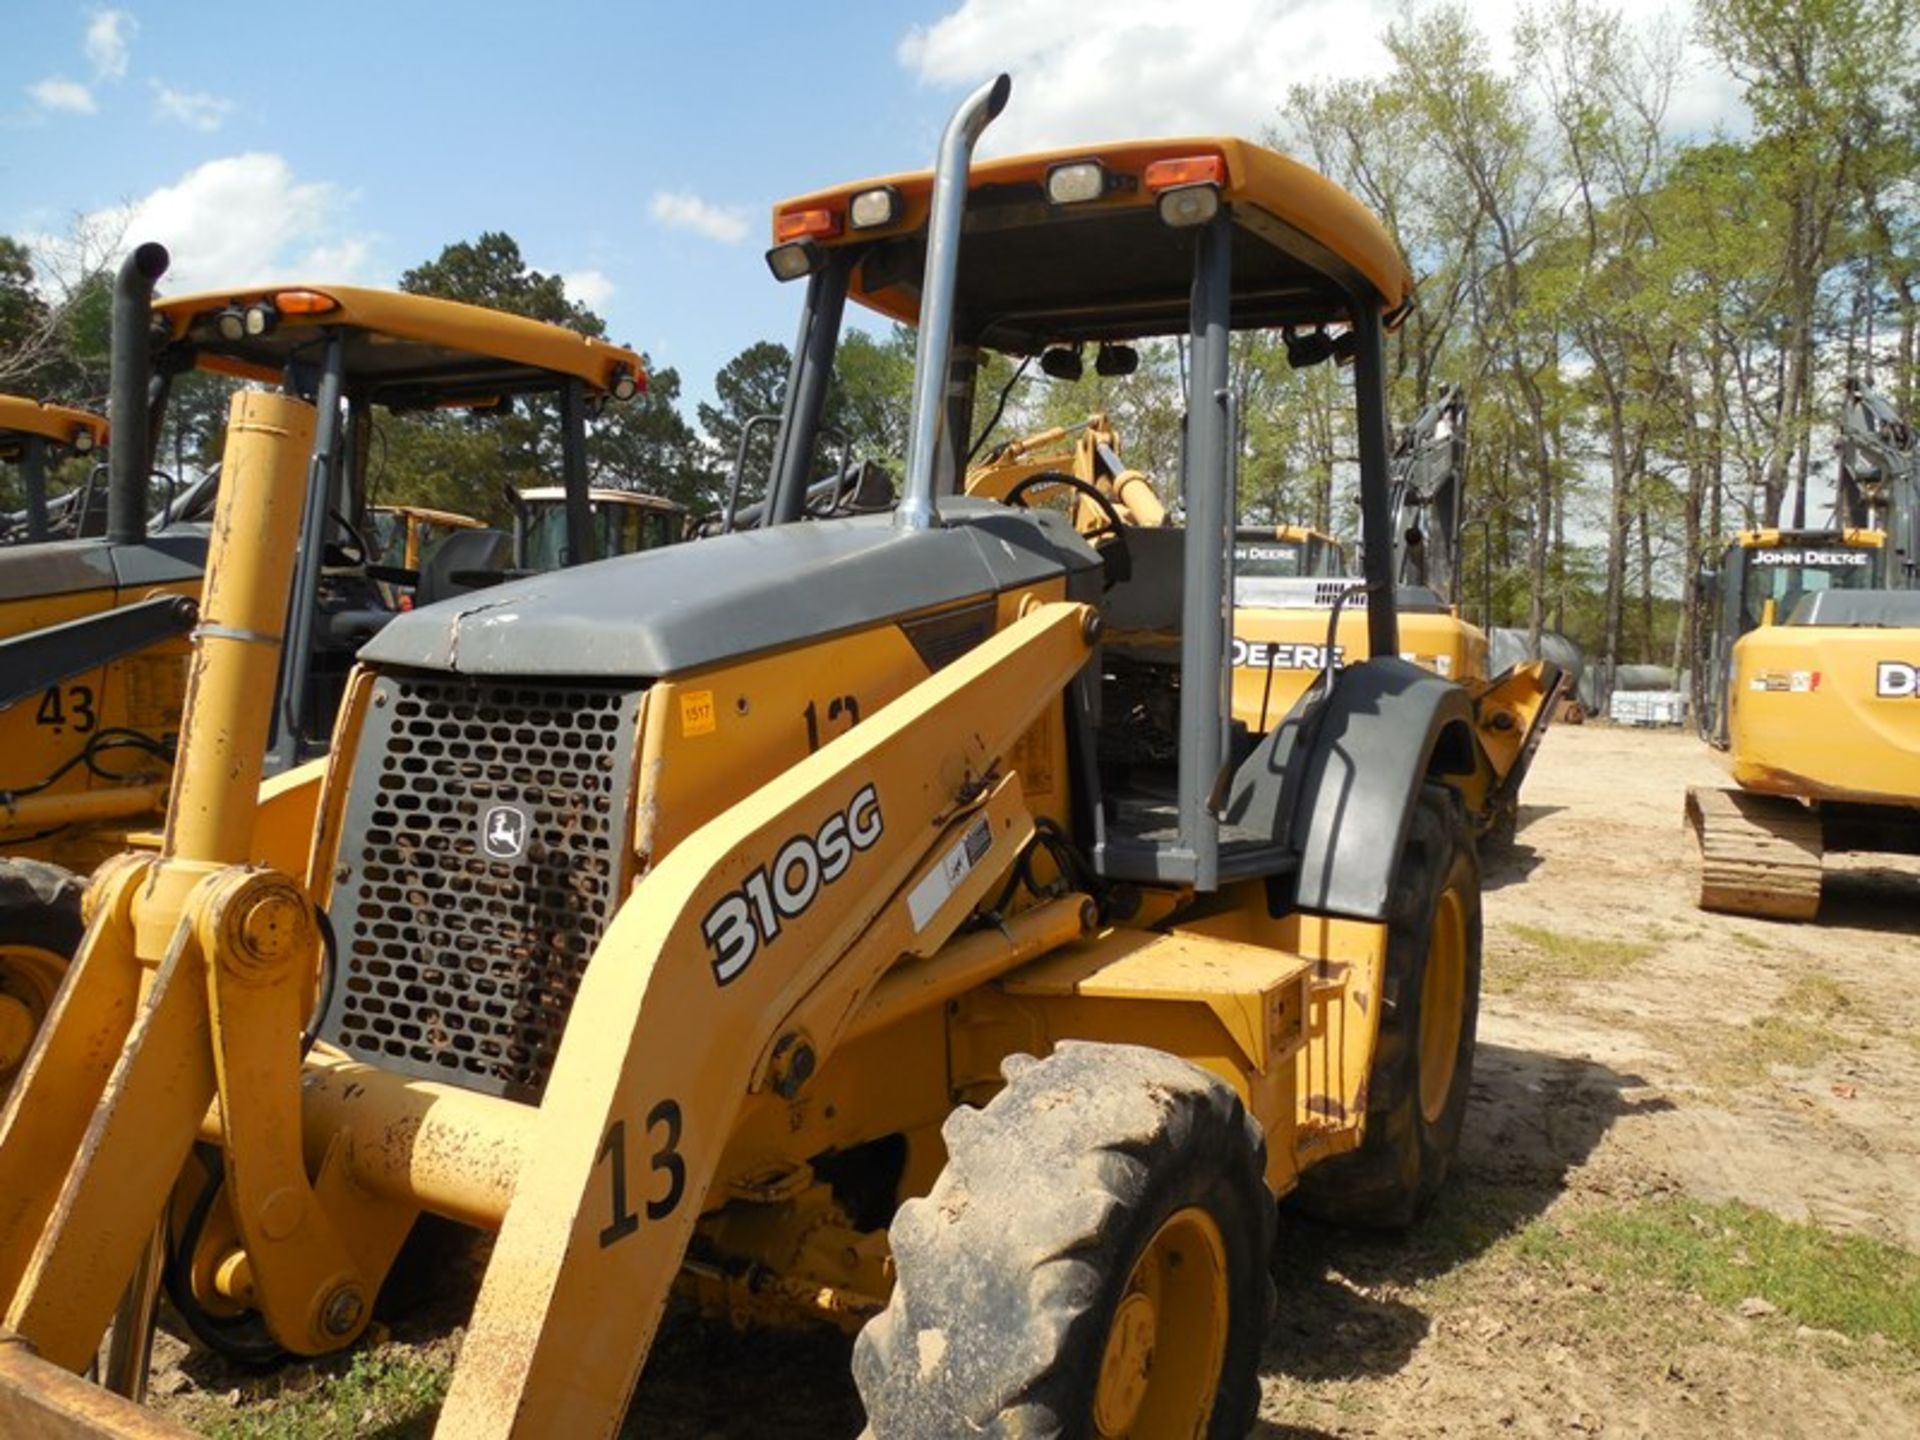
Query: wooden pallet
(1759, 854)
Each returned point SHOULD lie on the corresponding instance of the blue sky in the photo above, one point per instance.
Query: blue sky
(635, 148)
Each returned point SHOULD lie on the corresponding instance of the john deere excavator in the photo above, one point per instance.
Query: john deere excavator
(94, 632)
(1812, 687)
(1297, 614)
(879, 921)
(35, 435)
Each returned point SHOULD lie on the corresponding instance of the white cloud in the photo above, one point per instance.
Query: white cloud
(683, 210)
(56, 92)
(109, 39)
(1210, 66)
(237, 221)
(195, 109)
(591, 288)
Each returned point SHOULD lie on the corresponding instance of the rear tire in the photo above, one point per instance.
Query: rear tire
(40, 928)
(1423, 1064)
(1093, 1261)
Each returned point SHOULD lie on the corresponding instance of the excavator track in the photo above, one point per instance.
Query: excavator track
(1759, 854)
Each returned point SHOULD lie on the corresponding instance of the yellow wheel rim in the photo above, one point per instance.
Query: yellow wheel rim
(29, 979)
(1161, 1363)
(1443, 1004)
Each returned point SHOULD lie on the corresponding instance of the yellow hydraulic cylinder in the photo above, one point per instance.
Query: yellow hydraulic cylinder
(82, 807)
(236, 660)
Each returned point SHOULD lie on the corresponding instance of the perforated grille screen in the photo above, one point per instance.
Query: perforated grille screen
(480, 864)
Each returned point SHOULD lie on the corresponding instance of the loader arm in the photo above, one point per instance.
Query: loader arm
(724, 974)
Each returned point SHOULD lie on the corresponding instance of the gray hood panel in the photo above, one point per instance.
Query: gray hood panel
(665, 612)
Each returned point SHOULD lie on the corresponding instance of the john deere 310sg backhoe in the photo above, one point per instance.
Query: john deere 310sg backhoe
(878, 919)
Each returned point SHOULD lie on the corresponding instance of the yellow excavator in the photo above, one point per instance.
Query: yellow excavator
(95, 631)
(35, 435)
(1811, 684)
(878, 921)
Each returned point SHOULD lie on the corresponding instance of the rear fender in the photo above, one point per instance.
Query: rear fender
(1387, 729)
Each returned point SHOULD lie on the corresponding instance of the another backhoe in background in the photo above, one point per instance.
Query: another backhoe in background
(35, 436)
(95, 632)
(881, 921)
(1813, 684)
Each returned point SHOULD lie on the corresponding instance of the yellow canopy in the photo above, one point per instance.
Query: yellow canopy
(401, 349)
(1034, 272)
(20, 417)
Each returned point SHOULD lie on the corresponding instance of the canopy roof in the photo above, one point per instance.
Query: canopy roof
(21, 417)
(1032, 272)
(401, 350)
(638, 499)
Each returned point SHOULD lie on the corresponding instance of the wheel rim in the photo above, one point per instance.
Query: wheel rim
(29, 978)
(1443, 1004)
(1168, 1337)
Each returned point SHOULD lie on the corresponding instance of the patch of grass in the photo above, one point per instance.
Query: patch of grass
(1726, 1254)
(1748, 942)
(1795, 1033)
(387, 1393)
(1816, 994)
(1553, 957)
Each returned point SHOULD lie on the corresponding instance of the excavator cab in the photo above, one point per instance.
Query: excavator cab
(1765, 573)
(1286, 552)
(624, 522)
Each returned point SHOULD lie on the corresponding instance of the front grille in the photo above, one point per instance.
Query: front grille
(479, 865)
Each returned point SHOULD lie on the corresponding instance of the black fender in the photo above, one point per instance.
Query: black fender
(1361, 759)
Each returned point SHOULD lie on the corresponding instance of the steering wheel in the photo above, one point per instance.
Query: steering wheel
(350, 555)
(1115, 557)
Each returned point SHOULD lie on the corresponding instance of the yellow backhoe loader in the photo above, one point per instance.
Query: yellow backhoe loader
(879, 921)
(1810, 684)
(33, 436)
(94, 632)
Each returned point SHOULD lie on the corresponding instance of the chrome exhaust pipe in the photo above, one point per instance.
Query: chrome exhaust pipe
(934, 349)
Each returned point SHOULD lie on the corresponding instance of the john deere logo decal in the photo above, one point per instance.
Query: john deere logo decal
(503, 834)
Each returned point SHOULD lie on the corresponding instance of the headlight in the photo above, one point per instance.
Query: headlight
(873, 208)
(1076, 182)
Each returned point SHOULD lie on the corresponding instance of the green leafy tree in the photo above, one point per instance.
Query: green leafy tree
(751, 384)
(467, 462)
(491, 271)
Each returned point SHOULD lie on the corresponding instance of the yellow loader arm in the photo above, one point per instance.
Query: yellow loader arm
(731, 971)
(1511, 714)
(1071, 450)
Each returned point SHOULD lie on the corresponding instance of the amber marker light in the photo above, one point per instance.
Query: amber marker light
(820, 224)
(304, 302)
(1186, 170)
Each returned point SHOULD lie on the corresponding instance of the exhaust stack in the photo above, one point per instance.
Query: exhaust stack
(934, 349)
(131, 454)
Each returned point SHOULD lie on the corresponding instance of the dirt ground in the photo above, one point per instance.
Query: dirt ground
(1645, 1073)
